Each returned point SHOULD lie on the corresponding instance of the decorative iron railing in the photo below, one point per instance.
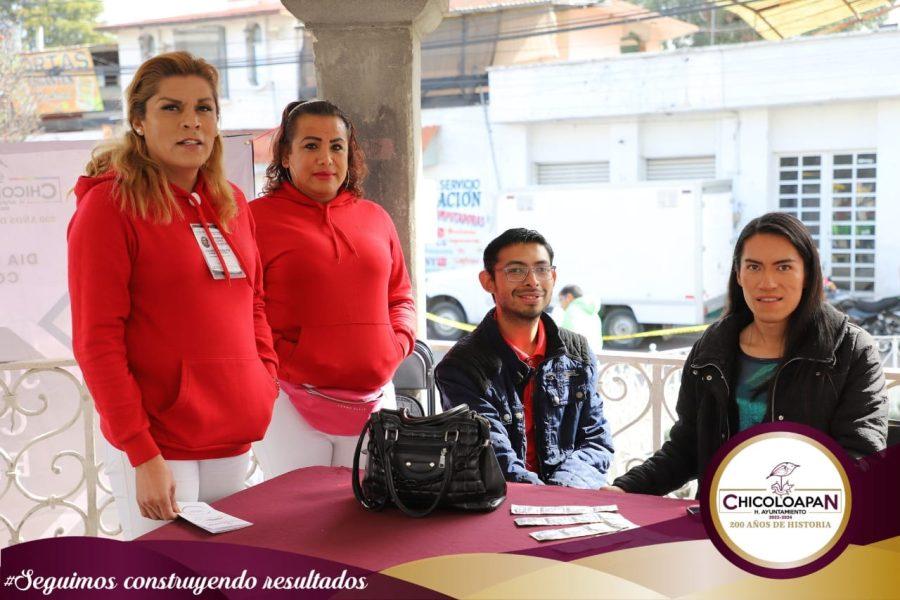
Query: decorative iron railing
(889, 347)
(51, 480)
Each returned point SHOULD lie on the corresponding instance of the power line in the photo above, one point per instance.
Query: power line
(577, 25)
(296, 57)
(282, 60)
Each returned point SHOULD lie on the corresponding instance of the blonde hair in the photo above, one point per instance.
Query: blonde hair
(142, 186)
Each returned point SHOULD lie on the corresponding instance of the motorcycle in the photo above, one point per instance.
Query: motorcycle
(878, 317)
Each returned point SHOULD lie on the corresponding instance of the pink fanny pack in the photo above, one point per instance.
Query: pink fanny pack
(331, 410)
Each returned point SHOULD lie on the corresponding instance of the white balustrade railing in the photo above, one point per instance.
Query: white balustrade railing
(51, 480)
(52, 483)
(889, 347)
(639, 391)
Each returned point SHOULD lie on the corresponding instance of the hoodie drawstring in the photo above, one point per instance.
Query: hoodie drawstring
(335, 231)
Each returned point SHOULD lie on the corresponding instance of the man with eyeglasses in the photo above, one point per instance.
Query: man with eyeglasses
(535, 383)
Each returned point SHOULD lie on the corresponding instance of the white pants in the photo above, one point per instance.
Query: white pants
(195, 481)
(292, 443)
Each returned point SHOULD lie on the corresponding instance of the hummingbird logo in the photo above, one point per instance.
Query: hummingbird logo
(782, 470)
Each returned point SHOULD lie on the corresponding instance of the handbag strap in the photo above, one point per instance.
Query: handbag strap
(442, 419)
(357, 488)
(445, 485)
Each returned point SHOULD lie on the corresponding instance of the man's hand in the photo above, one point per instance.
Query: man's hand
(156, 490)
(613, 488)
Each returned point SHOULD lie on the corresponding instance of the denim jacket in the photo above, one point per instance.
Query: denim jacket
(574, 445)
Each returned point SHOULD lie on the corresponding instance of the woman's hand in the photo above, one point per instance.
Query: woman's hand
(614, 488)
(156, 490)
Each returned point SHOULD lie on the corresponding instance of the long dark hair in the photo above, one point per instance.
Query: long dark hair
(276, 173)
(808, 318)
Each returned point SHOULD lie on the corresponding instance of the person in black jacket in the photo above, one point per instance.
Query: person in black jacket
(780, 353)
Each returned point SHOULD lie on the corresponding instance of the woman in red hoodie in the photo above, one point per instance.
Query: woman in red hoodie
(168, 321)
(338, 295)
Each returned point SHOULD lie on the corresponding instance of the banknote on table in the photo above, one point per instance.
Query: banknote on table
(206, 517)
(523, 509)
(614, 520)
(573, 532)
(618, 521)
(591, 517)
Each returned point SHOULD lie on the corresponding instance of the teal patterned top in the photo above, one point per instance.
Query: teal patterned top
(752, 374)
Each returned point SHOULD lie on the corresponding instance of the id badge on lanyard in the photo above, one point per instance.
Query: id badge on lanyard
(208, 248)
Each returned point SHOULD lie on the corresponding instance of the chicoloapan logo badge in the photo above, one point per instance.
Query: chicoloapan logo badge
(778, 501)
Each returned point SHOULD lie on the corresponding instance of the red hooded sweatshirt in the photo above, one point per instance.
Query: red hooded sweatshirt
(338, 295)
(179, 363)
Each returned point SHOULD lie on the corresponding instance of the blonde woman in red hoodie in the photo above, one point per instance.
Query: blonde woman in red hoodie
(168, 321)
(338, 295)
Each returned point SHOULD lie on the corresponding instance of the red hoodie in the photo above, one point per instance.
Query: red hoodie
(338, 295)
(178, 363)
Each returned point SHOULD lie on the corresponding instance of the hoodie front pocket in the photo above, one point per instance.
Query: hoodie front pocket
(221, 402)
(353, 356)
(399, 345)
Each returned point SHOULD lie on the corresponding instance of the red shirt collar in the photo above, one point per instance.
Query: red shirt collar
(540, 347)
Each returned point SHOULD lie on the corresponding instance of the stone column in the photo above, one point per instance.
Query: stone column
(368, 63)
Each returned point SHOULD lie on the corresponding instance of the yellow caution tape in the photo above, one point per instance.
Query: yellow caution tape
(450, 322)
(656, 332)
(643, 334)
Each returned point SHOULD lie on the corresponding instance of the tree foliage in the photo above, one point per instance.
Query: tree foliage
(64, 22)
(18, 111)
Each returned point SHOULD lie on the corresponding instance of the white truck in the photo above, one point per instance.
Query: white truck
(655, 253)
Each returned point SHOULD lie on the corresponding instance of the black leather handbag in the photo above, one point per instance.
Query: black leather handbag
(421, 463)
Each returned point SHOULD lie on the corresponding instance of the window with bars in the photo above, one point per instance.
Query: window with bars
(208, 43)
(800, 190)
(834, 195)
(253, 40)
(148, 46)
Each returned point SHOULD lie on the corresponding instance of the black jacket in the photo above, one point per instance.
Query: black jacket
(836, 387)
(574, 444)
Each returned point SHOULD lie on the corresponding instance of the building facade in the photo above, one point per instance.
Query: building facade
(809, 126)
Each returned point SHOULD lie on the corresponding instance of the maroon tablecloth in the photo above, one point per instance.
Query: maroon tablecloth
(313, 512)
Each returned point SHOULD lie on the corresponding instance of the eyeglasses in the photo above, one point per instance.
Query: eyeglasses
(520, 274)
